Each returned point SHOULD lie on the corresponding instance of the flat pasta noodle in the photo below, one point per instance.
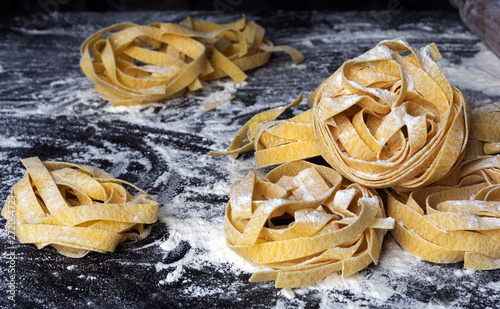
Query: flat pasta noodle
(305, 223)
(485, 126)
(456, 219)
(214, 104)
(382, 120)
(76, 208)
(131, 64)
(388, 120)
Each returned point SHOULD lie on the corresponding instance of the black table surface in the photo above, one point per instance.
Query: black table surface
(49, 109)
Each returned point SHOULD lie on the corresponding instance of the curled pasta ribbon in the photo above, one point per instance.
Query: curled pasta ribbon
(485, 126)
(459, 221)
(305, 223)
(388, 120)
(131, 64)
(275, 142)
(76, 208)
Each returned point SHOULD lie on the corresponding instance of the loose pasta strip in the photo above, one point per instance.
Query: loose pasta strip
(131, 64)
(275, 142)
(304, 222)
(76, 208)
(485, 126)
(458, 218)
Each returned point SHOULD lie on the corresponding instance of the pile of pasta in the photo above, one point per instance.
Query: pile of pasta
(75, 208)
(131, 64)
(390, 120)
(302, 220)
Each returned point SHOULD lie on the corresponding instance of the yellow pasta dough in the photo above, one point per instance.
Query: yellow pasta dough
(76, 208)
(304, 222)
(131, 64)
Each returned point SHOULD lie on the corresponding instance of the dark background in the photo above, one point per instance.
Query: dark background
(30, 6)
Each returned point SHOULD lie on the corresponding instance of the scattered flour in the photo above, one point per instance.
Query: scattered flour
(173, 276)
(11, 142)
(480, 73)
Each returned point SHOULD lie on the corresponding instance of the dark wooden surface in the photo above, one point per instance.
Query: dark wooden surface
(49, 109)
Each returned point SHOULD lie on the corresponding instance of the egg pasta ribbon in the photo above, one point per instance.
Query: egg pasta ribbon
(275, 141)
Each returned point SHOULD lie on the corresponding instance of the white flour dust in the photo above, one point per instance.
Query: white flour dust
(480, 73)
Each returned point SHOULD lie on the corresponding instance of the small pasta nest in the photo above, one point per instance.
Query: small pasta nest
(74, 208)
(304, 222)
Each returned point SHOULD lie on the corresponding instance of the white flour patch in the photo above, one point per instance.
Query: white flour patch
(11, 142)
(207, 241)
(480, 73)
(62, 82)
(173, 276)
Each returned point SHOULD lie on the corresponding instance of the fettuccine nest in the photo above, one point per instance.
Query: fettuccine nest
(131, 64)
(74, 208)
(384, 119)
(302, 220)
(456, 222)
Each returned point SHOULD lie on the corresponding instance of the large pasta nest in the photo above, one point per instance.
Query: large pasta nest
(386, 119)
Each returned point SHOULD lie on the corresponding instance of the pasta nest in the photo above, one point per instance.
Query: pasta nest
(131, 64)
(386, 119)
(458, 219)
(305, 223)
(74, 208)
